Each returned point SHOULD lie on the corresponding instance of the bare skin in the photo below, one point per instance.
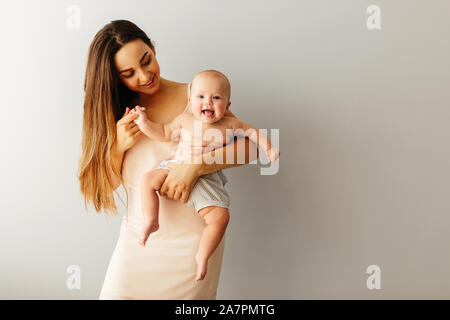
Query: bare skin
(208, 102)
(216, 219)
(137, 65)
(164, 101)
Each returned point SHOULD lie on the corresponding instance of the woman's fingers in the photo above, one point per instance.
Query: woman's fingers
(170, 193)
(127, 110)
(176, 194)
(129, 117)
(134, 129)
(179, 181)
(132, 116)
(129, 125)
(184, 197)
(127, 130)
(163, 189)
(137, 134)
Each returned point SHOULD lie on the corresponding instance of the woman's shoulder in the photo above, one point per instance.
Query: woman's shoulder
(176, 90)
(173, 85)
(179, 90)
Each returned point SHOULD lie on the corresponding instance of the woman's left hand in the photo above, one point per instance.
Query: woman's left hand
(180, 180)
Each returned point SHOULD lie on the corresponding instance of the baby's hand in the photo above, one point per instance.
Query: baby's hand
(273, 154)
(140, 121)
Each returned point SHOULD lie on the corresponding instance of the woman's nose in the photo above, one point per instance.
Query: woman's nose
(143, 76)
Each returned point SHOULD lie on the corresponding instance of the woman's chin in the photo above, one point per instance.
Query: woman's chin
(151, 89)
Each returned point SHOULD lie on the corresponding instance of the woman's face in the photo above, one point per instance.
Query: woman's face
(137, 66)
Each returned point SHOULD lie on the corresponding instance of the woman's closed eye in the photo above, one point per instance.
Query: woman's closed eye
(146, 63)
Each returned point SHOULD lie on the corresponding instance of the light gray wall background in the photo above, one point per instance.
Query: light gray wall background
(364, 126)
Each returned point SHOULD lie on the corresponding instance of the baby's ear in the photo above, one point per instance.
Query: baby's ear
(228, 106)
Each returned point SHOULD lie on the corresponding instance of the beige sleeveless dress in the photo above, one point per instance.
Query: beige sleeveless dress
(165, 268)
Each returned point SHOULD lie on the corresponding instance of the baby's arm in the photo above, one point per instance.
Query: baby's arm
(157, 131)
(247, 130)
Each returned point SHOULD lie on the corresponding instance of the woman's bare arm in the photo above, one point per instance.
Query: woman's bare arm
(127, 134)
(117, 161)
(236, 148)
(243, 150)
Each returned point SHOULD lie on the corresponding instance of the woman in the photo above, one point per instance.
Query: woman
(122, 70)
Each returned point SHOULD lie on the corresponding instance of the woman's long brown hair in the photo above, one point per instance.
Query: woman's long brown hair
(106, 98)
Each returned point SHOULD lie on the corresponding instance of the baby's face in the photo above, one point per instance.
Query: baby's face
(209, 99)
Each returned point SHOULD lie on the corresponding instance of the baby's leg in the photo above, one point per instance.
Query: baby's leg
(216, 219)
(151, 182)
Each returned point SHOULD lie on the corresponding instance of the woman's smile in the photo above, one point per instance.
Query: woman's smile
(150, 83)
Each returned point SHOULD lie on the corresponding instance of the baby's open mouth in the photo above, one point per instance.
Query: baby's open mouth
(208, 113)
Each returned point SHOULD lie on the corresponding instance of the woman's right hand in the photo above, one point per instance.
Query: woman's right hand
(127, 131)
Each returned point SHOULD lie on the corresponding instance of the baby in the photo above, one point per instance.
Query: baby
(198, 132)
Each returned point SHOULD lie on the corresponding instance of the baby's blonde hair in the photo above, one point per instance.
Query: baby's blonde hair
(217, 74)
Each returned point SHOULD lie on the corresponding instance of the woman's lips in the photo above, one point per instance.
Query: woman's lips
(149, 85)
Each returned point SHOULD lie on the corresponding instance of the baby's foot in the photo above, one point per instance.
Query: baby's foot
(142, 119)
(202, 263)
(147, 229)
(136, 109)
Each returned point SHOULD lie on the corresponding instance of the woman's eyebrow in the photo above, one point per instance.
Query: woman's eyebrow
(139, 62)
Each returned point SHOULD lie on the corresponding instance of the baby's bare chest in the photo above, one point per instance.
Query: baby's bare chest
(195, 132)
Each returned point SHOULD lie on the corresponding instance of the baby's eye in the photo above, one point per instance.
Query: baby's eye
(200, 96)
(216, 97)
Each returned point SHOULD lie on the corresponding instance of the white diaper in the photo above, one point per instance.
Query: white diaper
(209, 190)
